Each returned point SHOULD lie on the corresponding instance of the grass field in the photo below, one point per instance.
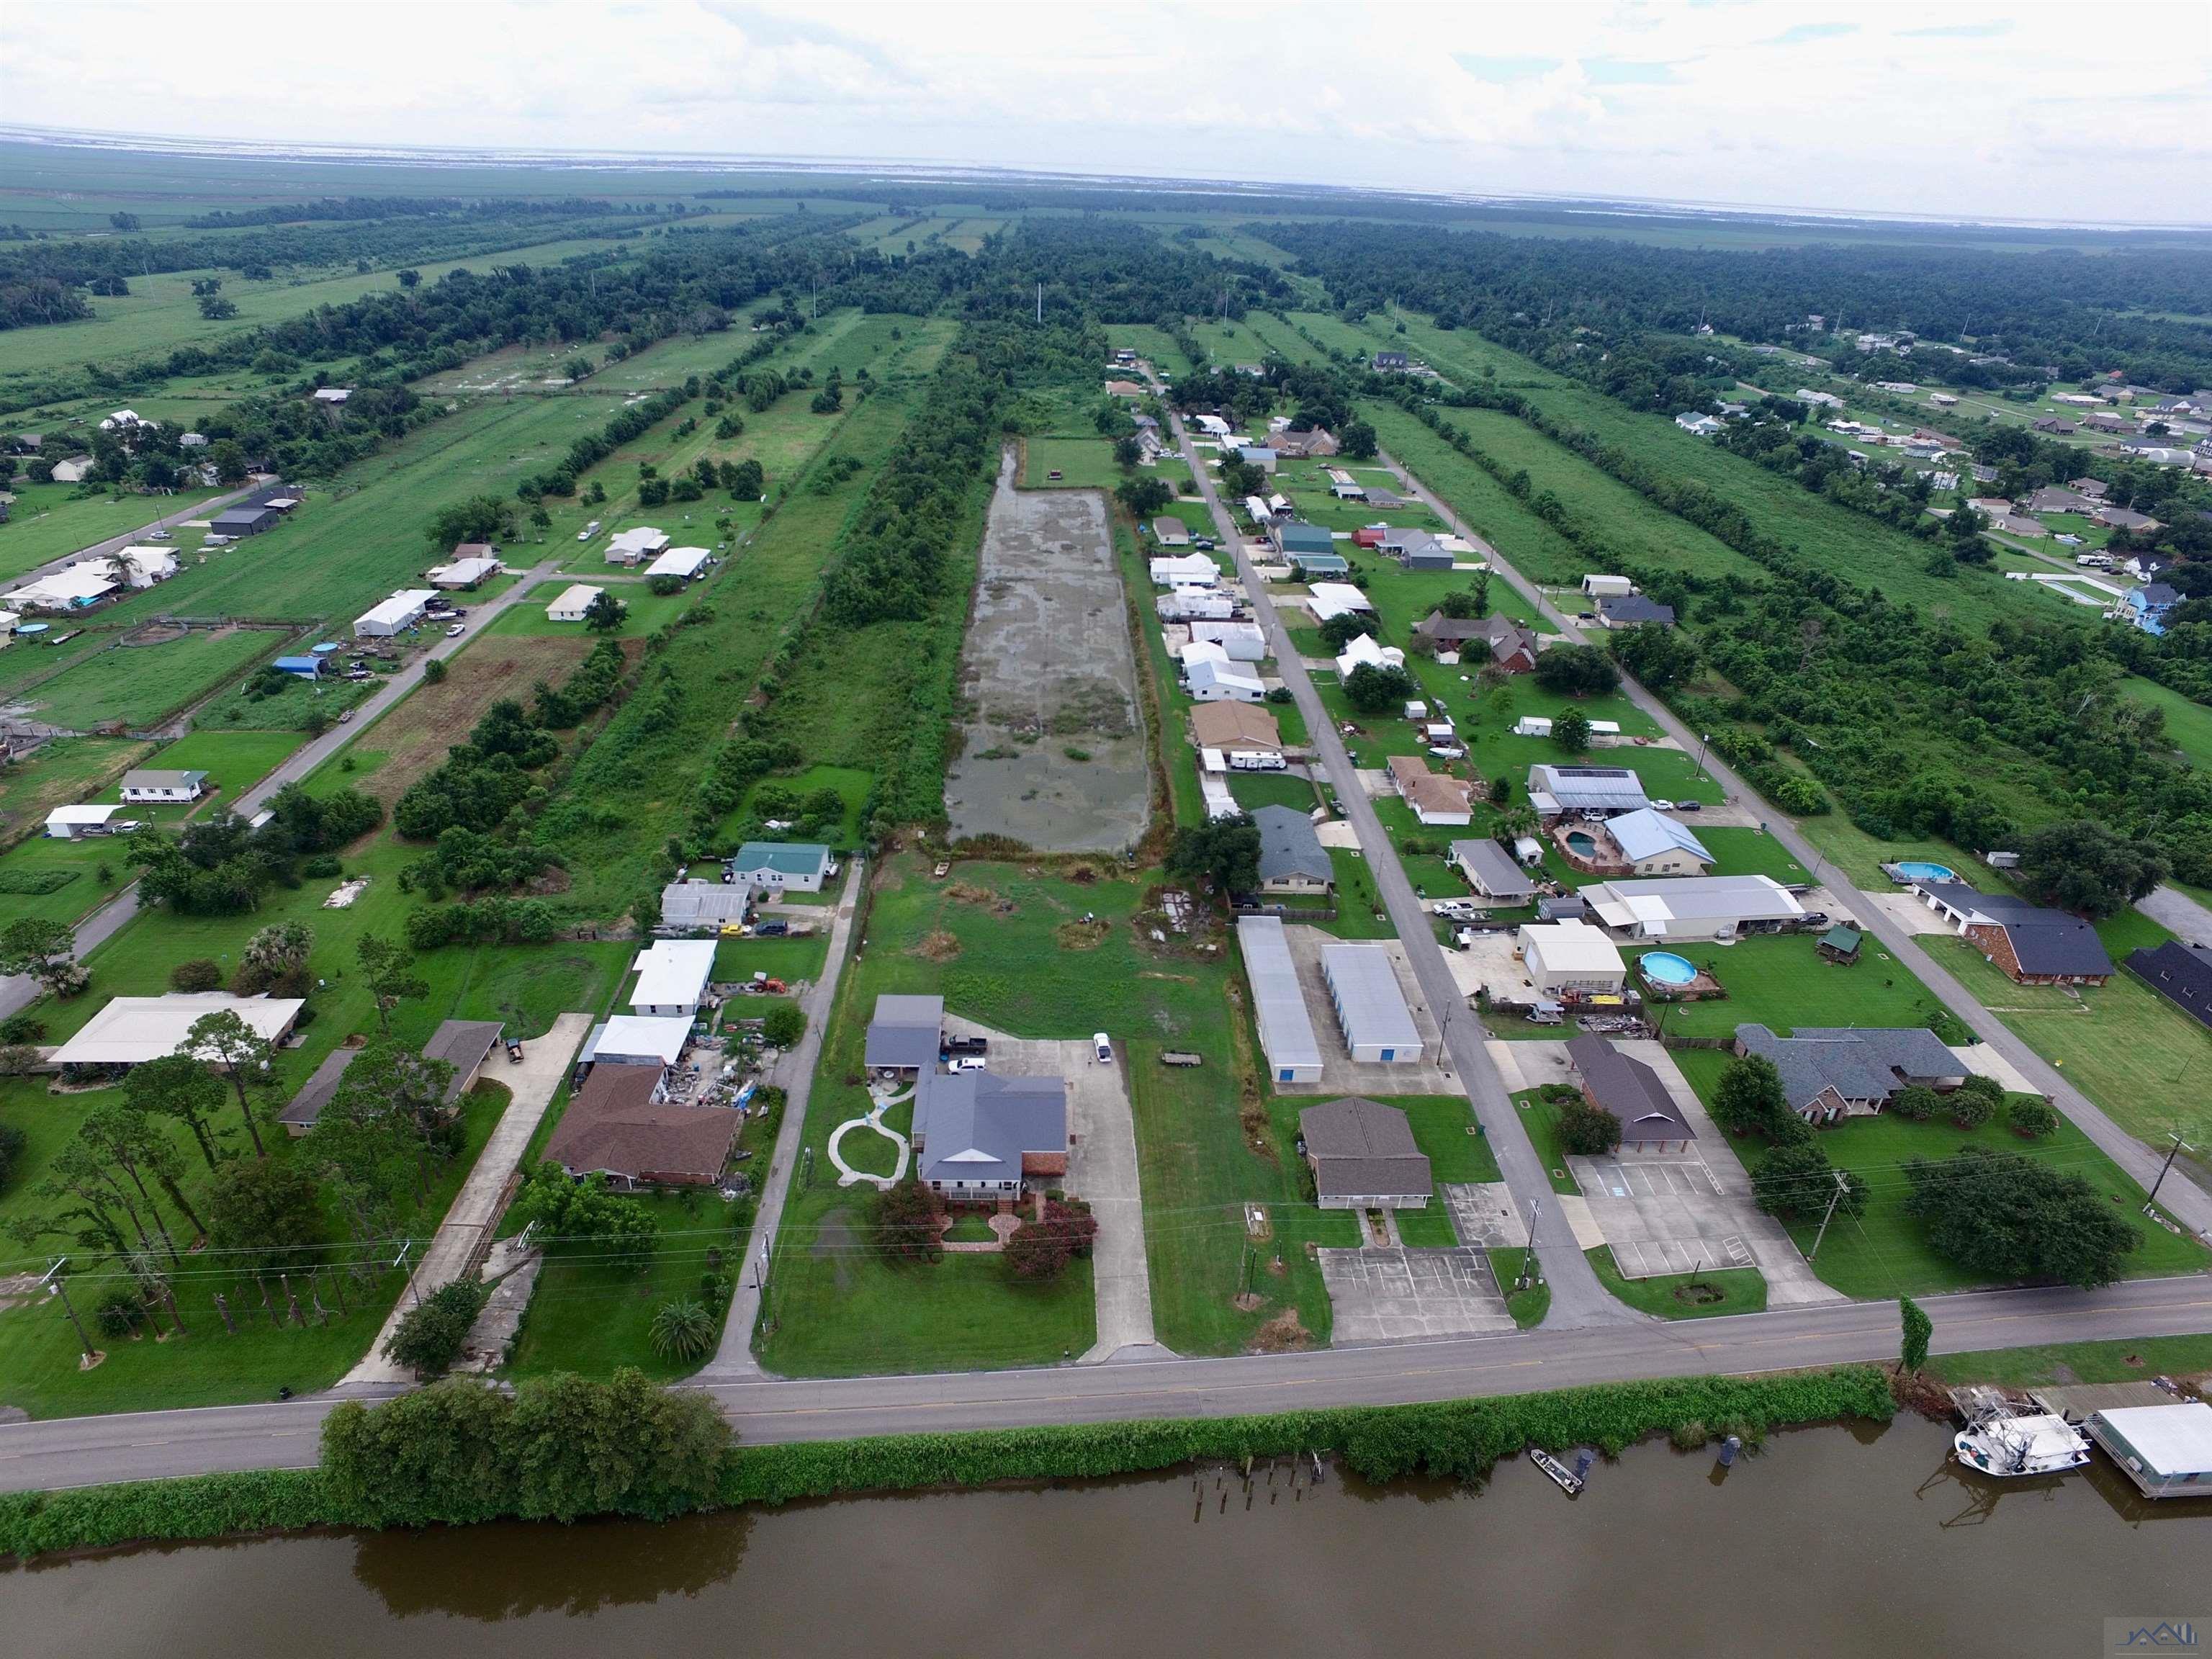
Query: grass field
(2188, 723)
(1885, 1252)
(2078, 1362)
(647, 610)
(210, 1366)
(50, 521)
(1682, 1295)
(1442, 1125)
(61, 773)
(1780, 981)
(143, 684)
(1082, 463)
(1528, 543)
(2129, 1049)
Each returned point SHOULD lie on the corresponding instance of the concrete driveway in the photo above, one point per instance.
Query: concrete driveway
(1101, 1170)
(1400, 1295)
(475, 1208)
(1661, 1214)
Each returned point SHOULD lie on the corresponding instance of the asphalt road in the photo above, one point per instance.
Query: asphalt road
(1578, 1298)
(2181, 1197)
(18, 992)
(148, 1445)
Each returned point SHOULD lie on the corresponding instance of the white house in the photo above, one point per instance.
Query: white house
(1243, 641)
(75, 470)
(633, 546)
(1361, 648)
(1698, 426)
(1257, 510)
(144, 566)
(152, 784)
(1597, 587)
(684, 561)
(75, 587)
(7, 620)
(794, 866)
(572, 603)
(1213, 426)
(1188, 570)
(332, 394)
(672, 976)
(1572, 956)
(1327, 599)
(1214, 681)
(1654, 844)
(1693, 908)
(131, 1030)
(395, 615)
(462, 573)
(1195, 604)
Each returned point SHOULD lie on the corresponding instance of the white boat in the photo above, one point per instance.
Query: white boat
(1562, 1476)
(2008, 1441)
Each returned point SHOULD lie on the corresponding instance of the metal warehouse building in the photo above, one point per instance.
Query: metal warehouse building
(1287, 1034)
(1370, 1009)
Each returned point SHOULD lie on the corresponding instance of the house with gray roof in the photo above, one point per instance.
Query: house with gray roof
(1491, 872)
(1632, 1091)
(1504, 641)
(463, 1044)
(703, 906)
(1363, 1157)
(1633, 611)
(1554, 791)
(1832, 1072)
(979, 1137)
(906, 1034)
(2179, 972)
(305, 1109)
(781, 866)
(1292, 858)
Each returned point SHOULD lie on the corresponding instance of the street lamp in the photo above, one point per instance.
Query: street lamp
(1703, 738)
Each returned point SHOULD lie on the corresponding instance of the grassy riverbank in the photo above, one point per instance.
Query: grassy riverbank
(1453, 1439)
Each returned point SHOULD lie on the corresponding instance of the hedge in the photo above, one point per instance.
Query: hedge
(1454, 1440)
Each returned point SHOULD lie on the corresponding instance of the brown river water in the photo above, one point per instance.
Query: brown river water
(1831, 1542)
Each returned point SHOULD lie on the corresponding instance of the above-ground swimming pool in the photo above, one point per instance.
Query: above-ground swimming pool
(1665, 968)
(1921, 870)
(1581, 843)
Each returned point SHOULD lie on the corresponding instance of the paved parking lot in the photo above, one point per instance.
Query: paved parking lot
(1661, 1215)
(1484, 1214)
(1400, 1295)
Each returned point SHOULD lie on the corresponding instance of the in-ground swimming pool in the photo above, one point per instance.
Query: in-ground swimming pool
(1581, 843)
(1665, 968)
(1921, 870)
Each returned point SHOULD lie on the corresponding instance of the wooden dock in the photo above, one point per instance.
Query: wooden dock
(2075, 1402)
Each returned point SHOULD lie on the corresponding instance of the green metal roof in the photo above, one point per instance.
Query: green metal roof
(1840, 938)
(1304, 538)
(792, 858)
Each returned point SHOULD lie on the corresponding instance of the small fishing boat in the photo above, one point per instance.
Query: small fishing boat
(1561, 1476)
(2007, 1440)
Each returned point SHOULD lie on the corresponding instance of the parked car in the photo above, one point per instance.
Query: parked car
(1662, 806)
(772, 930)
(1689, 806)
(1104, 1045)
(1455, 909)
(456, 630)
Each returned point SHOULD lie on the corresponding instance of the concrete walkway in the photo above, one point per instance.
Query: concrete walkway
(475, 1209)
(794, 1075)
(20, 992)
(849, 1176)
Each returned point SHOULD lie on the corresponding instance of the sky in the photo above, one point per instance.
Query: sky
(2027, 111)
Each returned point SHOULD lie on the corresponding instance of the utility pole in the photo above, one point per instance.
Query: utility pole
(1040, 305)
(1813, 1253)
(2179, 1145)
(1529, 1255)
(57, 1285)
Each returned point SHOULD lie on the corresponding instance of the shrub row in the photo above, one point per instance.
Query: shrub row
(1454, 1440)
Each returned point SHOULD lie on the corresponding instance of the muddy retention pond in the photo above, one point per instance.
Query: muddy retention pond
(1053, 755)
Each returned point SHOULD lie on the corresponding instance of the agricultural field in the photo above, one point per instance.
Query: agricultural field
(1525, 541)
(413, 736)
(141, 685)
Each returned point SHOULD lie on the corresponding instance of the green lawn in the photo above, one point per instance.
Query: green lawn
(59, 774)
(1671, 1296)
(1527, 1307)
(1253, 790)
(1357, 902)
(1083, 463)
(1780, 980)
(1748, 852)
(2124, 1046)
(210, 1366)
(1442, 1125)
(140, 685)
(51, 521)
(2188, 723)
(1541, 1118)
(2078, 1362)
(1884, 1252)
(786, 959)
(647, 610)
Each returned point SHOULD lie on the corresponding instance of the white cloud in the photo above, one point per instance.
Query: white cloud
(1945, 108)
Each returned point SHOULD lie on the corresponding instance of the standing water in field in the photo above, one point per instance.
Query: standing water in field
(1054, 754)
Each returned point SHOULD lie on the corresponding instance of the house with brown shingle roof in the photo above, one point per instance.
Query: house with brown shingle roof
(617, 1126)
(1237, 725)
(1363, 1157)
(1435, 798)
